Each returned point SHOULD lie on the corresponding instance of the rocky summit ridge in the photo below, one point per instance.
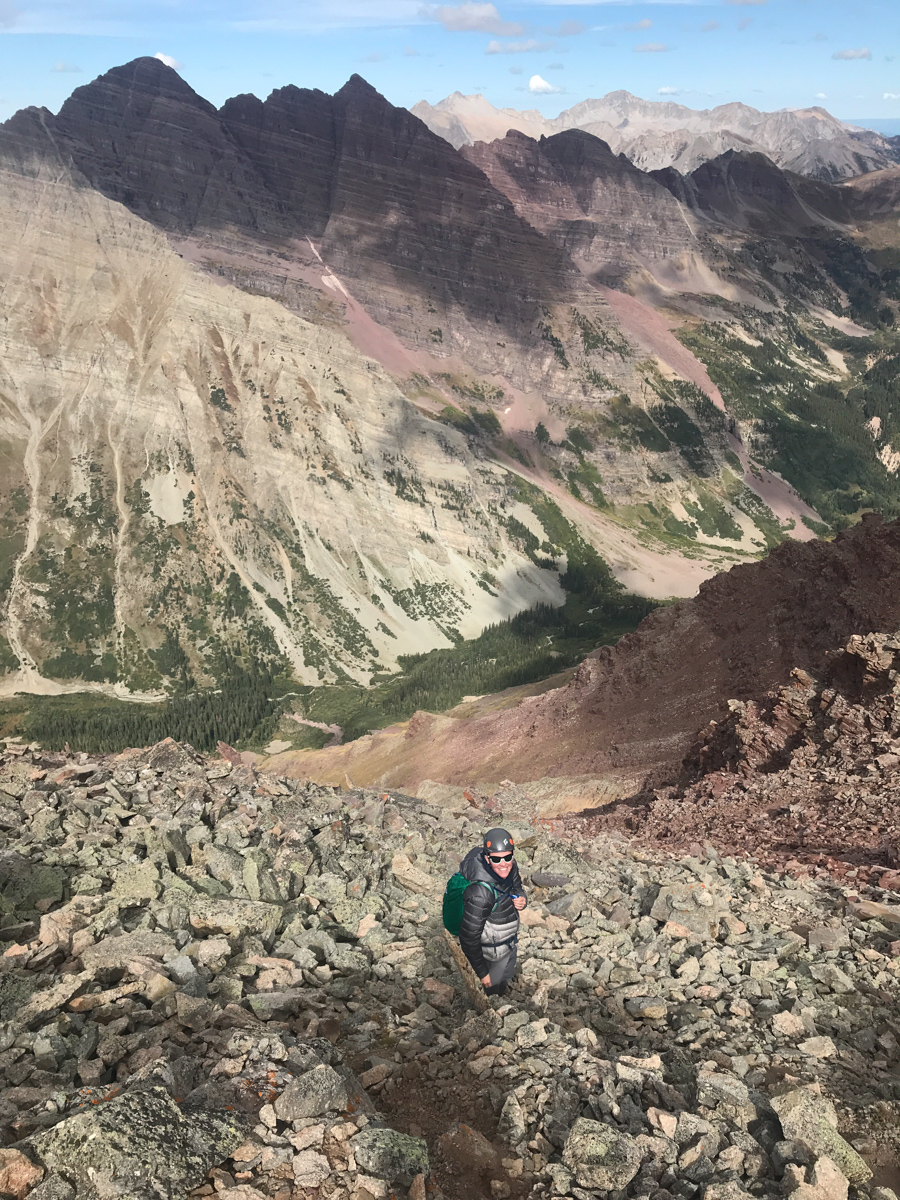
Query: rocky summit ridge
(218, 982)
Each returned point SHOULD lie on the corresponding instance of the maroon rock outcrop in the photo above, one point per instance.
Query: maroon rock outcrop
(808, 775)
(593, 203)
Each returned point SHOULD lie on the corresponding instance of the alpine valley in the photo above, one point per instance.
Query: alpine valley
(298, 386)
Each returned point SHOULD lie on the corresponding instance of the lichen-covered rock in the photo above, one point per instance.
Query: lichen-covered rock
(118, 952)
(140, 1146)
(600, 1156)
(235, 918)
(511, 1126)
(412, 877)
(811, 1120)
(389, 1155)
(53, 1188)
(315, 1092)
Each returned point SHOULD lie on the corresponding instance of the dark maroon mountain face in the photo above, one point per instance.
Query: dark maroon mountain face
(370, 179)
(593, 203)
(142, 136)
(385, 200)
(748, 191)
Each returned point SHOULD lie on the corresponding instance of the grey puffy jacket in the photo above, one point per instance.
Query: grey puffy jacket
(487, 931)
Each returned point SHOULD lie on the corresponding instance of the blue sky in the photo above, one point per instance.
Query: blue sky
(842, 54)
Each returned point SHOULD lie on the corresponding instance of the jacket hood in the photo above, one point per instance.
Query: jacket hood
(473, 867)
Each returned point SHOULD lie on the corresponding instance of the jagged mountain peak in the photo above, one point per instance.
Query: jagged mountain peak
(133, 84)
(356, 87)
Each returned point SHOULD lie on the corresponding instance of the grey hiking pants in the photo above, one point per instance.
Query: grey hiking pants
(501, 972)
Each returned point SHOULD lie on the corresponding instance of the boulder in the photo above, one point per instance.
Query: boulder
(315, 1092)
(138, 881)
(601, 1157)
(826, 1182)
(569, 906)
(140, 1145)
(647, 1008)
(411, 877)
(810, 1119)
(18, 1174)
(330, 889)
(310, 1169)
(389, 1155)
(466, 1148)
(39, 1008)
(235, 918)
(117, 952)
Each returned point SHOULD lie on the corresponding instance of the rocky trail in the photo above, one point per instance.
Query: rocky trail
(214, 982)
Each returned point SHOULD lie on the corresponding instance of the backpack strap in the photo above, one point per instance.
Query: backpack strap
(491, 889)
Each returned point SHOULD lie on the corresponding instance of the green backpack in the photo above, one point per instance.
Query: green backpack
(453, 900)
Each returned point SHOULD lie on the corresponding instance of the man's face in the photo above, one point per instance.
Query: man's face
(500, 864)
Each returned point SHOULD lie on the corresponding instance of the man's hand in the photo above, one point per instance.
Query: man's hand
(486, 981)
(519, 902)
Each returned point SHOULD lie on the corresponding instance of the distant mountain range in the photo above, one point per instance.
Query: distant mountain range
(294, 381)
(657, 134)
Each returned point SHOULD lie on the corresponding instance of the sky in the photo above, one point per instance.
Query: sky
(841, 54)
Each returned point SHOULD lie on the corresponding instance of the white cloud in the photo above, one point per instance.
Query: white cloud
(745, 22)
(168, 60)
(891, 96)
(820, 96)
(541, 86)
(472, 18)
(517, 47)
(555, 67)
(409, 52)
(567, 29)
(9, 14)
(709, 27)
(668, 91)
(646, 23)
(374, 57)
(65, 68)
(652, 48)
(862, 52)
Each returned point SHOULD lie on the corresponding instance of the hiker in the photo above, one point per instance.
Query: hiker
(489, 929)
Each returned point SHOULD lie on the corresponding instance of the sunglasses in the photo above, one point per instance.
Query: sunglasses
(499, 858)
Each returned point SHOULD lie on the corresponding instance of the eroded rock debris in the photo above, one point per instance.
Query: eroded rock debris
(214, 982)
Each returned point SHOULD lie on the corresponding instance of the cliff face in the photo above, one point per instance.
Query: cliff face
(192, 472)
(748, 191)
(142, 136)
